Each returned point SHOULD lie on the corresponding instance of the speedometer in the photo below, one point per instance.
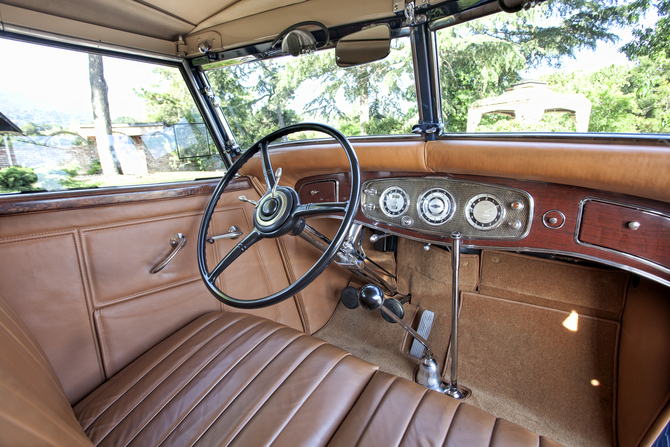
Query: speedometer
(436, 206)
(394, 201)
(484, 212)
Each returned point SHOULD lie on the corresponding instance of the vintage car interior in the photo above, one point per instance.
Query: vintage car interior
(318, 284)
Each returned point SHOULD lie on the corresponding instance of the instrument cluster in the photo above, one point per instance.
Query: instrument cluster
(441, 205)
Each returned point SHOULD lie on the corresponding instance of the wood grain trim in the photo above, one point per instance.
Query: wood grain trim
(43, 202)
(605, 225)
(547, 196)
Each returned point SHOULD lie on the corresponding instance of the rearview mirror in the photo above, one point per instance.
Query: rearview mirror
(363, 46)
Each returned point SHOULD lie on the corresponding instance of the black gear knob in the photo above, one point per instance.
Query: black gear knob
(371, 297)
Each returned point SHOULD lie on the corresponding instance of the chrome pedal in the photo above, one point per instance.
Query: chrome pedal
(425, 324)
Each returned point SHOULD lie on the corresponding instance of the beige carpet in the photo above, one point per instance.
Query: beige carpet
(524, 365)
(427, 276)
(368, 336)
(560, 285)
(516, 355)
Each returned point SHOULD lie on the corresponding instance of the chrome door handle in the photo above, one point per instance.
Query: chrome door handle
(177, 241)
(233, 233)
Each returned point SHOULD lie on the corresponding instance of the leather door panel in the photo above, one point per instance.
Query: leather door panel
(80, 277)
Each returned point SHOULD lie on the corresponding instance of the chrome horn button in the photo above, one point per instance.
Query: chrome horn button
(272, 212)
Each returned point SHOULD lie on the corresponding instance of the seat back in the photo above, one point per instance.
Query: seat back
(33, 406)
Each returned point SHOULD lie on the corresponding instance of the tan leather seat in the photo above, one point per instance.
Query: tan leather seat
(234, 379)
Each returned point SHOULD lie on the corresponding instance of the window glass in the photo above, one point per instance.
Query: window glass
(373, 99)
(559, 67)
(73, 120)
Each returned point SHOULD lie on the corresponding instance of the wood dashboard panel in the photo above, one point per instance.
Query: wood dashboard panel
(548, 200)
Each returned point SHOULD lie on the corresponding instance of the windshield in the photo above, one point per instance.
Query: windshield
(588, 68)
(373, 99)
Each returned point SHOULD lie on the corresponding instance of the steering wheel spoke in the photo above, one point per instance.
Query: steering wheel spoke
(319, 209)
(268, 173)
(242, 246)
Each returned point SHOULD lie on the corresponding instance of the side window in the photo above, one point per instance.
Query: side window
(72, 120)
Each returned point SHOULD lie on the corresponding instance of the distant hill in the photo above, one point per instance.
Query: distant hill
(22, 110)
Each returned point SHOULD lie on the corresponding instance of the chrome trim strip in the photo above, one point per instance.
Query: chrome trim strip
(22, 31)
(643, 209)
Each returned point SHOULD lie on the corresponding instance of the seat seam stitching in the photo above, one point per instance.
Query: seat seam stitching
(446, 436)
(168, 375)
(327, 373)
(147, 372)
(154, 366)
(219, 381)
(251, 381)
(495, 426)
(374, 413)
(197, 373)
(42, 360)
(416, 410)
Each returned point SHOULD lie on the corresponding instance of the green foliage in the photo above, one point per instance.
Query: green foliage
(54, 178)
(171, 103)
(473, 67)
(95, 168)
(16, 178)
(652, 42)
(612, 110)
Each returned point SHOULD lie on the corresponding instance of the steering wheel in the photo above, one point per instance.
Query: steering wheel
(277, 213)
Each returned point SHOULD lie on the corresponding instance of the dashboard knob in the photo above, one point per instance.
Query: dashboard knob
(515, 224)
(633, 225)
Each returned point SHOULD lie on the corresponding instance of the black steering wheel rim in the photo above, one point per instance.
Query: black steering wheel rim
(322, 263)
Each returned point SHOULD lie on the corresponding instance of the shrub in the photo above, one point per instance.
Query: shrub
(96, 168)
(18, 179)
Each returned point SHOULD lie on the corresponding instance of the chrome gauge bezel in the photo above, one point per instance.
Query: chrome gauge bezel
(382, 202)
(469, 212)
(425, 197)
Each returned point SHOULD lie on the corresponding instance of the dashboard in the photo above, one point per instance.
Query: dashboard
(441, 205)
(616, 229)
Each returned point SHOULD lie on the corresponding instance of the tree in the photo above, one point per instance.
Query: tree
(482, 58)
(101, 116)
(613, 107)
(652, 42)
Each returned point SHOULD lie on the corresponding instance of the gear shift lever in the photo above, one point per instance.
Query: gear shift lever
(371, 297)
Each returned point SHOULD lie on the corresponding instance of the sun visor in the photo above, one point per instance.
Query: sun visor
(241, 9)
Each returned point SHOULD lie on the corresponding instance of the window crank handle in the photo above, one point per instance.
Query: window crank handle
(244, 199)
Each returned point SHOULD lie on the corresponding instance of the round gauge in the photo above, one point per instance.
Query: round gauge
(484, 212)
(394, 201)
(436, 206)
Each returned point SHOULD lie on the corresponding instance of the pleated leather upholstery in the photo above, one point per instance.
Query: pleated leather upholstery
(33, 407)
(235, 379)
(396, 412)
(228, 379)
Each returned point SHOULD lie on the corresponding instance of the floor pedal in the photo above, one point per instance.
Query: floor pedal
(425, 324)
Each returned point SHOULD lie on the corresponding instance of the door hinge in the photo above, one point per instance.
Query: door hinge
(181, 47)
(408, 8)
